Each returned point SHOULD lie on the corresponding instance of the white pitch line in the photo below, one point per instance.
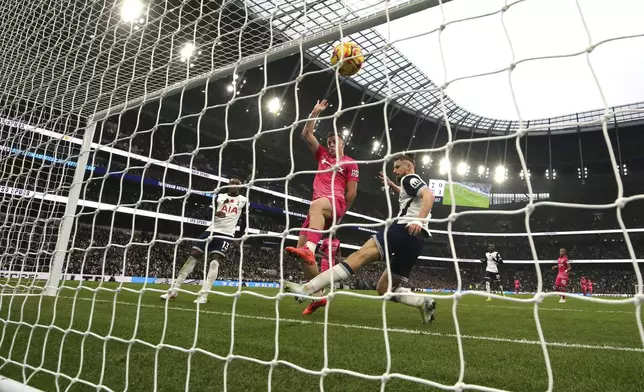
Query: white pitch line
(553, 309)
(369, 328)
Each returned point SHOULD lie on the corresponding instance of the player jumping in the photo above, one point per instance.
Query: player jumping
(404, 241)
(228, 210)
(328, 190)
(564, 268)
(492, 260)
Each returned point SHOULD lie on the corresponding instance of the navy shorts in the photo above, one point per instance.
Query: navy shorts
(403, 248)
(208, 244)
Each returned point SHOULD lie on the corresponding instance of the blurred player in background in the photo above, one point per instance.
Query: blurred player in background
(589, 287)
(517, 285)
(228, 209)
(329, 191)
(563, 269)
(582, 285)
(329, 249)
(492, 260)
(404, 241)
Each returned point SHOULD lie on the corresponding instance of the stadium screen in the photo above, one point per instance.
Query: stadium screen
(466, 194)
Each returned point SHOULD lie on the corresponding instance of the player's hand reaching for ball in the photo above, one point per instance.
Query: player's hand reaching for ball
(384, 178)
(220, 214)
(320, 106)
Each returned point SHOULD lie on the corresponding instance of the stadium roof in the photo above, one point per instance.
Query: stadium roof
(408, 67)
(88, 59)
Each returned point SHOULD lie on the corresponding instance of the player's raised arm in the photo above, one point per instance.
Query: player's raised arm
(307, 132)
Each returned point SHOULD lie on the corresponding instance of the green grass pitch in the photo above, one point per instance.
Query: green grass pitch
(592, 347)
(466, 197)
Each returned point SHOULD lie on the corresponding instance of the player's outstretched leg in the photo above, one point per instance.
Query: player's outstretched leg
(342, 271)
(210, 279)
(501, 289)
(425, 304)
(187, 268)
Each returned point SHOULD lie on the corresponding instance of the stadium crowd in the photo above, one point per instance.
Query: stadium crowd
(110, 249)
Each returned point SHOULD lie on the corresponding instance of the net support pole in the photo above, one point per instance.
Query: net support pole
(56, 267)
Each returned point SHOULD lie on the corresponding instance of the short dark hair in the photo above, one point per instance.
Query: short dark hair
(333, 134)
(405, 157)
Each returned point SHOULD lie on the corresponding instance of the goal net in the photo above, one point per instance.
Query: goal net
(123, 122)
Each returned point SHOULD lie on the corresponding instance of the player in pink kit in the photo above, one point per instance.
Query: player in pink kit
(334, 246)
(563, 268)
(517, 286)
(329, 191)
(582, 285)
(589, 286)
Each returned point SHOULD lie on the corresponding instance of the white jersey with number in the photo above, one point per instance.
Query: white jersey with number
(493, 259)
(232, 206)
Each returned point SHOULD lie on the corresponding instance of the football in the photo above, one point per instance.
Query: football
(350, 57)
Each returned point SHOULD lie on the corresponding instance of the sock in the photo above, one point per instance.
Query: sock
(187, 268)
(487, 287)
(210, 278)
(311, 245)
(339, 273)
(312, 239)
(409, 300)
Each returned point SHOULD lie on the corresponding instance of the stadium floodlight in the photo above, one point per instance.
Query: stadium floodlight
(522, 174)
(187, 51)
(444, 165)
(500, 173)
(462, 169)
(481, 170)
(131, 10)
(376, 145)
(230, 88)
(274, 105)
(426, 159)
(345, 132)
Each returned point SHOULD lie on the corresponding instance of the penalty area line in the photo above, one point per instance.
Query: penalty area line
(370, 328)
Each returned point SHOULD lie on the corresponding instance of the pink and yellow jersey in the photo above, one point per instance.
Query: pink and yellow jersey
(582, 282)
(322, 183)
(324, 248)
(517, 283)
(562, 266)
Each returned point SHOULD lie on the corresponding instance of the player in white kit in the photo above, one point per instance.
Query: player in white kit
(492, 260)
(214, 242)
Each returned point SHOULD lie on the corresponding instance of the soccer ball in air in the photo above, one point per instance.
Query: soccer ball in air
(350, 57)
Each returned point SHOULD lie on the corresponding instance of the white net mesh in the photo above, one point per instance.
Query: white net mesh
(126, 86)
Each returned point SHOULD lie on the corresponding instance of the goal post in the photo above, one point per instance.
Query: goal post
(67, 222)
